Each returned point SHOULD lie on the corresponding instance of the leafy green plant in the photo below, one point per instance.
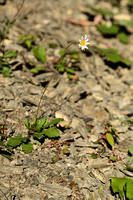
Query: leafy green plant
(108, 30)
(41, 128)
(16, 141)
(109, 135)
(27, 40)
(5, 66)
(101, 11)
(123, 186)
(63, 66)
(119, 28)
(112, 55)
(123, 37)
(39, 131)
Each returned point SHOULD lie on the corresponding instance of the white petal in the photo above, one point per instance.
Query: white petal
(82, 48)
(87, 43)
(85, 36)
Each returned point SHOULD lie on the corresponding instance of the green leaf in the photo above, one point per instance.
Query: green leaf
(37, 69)
(113, 158)
(34, 71)
(6, 63)
(2, 144)
(27, 147)
(74, 56)
(51, 132)
(94, 156)
(38, 136)
(40, 123)
(28, 44)
(125, 23)
(71, 71)
(105, 30)
(128, 121)
(131, 149)
(15, 141)
(53, 45)
(8, 24)
(129, 188)
(131, 159)
(6, 71)
(53, 122)
(61, 53)
(27, 124)
(9, 54)
(40, 54)
(129, 168)
(26, 38)
(61, 68)
(25, 139)
(3, 135)
(126, 61)
(40, 68)
(122, 186)
(110, 139)
(65, 150)
(123, 37)
(111, 54)
(101, 11)
(117, 185)
(70, 76)
(91, 197)
(55, 159)
(6, 156)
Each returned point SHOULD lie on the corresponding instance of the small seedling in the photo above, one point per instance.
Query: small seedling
(5, 66)
(41, 128)
(27, 40)
(63, 66)
(108, 139)
(113, 56)
(109, 135)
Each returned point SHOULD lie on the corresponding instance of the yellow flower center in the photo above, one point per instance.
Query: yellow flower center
(83, 42)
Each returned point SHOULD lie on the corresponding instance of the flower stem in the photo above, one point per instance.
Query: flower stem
(60, 60)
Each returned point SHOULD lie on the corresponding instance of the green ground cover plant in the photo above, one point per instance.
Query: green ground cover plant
(117, 28)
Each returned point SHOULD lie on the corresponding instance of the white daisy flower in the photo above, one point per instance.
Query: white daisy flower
(83, 42)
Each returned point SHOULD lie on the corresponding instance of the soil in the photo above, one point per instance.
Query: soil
(98, 94)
